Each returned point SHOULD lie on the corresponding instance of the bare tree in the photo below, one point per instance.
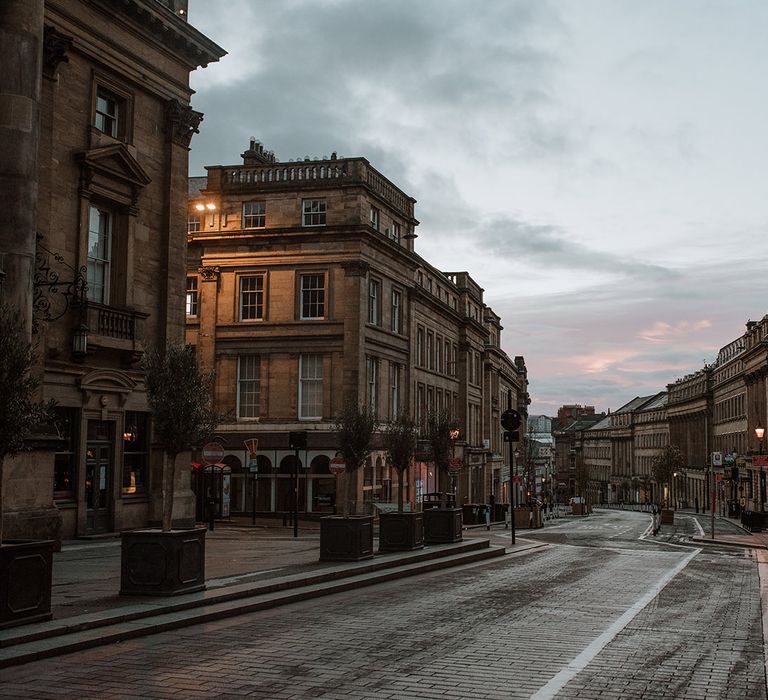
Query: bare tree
(666, 463)
(181, 401)
(19, 412)
(400, 443)
(438, 433)
(355, 426)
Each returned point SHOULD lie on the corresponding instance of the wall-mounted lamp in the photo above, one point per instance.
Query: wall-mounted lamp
(80, 341)
(210, 206)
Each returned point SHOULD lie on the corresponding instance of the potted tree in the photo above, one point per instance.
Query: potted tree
(349, 537)
(400, 530)
(443, 524)
(664, 464)
(168, 561)
(25, 565)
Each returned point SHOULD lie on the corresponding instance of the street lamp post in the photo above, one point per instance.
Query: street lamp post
(760, 434)
(454, 435)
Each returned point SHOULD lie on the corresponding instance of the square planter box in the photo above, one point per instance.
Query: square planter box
(442, 525)
(154, 562)
(401, 532)
(346, 539)
(26, 567)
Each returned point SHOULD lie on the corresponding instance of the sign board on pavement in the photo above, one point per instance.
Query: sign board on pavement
(253, 466)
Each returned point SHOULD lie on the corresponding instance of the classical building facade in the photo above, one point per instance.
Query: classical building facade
(304, 290)
(96, 259)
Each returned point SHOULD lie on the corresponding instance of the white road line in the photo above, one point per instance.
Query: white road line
(698, 526)
(569, 672)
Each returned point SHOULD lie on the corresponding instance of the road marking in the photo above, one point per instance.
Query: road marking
(698, 526)
(569, 672)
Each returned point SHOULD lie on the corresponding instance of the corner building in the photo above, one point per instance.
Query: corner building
(105, 240)
(303, 289)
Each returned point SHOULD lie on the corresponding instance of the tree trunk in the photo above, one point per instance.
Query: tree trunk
(2, 464)
(169, 484)
(348, 481)
(400, 490)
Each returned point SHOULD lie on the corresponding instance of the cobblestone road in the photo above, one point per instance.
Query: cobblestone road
(597, 614)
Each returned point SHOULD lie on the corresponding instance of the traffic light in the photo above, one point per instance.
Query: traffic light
(297, 440)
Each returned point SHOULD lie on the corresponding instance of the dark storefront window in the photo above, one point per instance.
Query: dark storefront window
(135, 454)
(65, 460)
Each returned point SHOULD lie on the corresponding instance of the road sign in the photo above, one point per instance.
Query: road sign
(337, 465)
(717, 459)
(455, 463)
(253, 466)
(252, 446)
(510, 419)
(453, 473)
(213, 453)
(760, 460)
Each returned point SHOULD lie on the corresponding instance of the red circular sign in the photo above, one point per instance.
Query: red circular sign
(213, 453)
(337, 465)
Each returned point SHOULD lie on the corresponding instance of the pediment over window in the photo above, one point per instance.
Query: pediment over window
(112, 172)
(107, 382)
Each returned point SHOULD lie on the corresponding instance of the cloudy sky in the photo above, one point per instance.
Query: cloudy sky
(599, 166)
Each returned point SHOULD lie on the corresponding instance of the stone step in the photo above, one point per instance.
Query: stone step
(23, 644)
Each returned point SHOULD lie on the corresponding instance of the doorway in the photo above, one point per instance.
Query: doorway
(98, 476)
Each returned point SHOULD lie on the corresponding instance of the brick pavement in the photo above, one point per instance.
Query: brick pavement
(499, 630)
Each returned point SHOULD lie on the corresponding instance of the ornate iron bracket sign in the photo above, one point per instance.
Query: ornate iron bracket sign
(53, 296)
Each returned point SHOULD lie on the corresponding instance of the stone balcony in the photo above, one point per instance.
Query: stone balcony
(114, 328)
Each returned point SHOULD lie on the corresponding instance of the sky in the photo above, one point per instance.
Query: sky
(598, 166)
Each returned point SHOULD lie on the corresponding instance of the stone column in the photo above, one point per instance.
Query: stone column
(21, 51)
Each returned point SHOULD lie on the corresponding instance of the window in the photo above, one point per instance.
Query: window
(420, 346)
(313, 296)
(193, 223)
(254, 215)
(431, 349)
(108, 118)
(449, 366)
(395, 315)
(421, 409)
(252, 298)
(135, 453)
(313, 212)
(192, 296)
(374, 302)
(65, 460)
(99, 254)
(248, 386)
(439, 354)
(394, 389)
(311, 386)
(373, 384)
(394, 231)
(374, 218)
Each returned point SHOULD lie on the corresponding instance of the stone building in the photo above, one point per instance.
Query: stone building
(651, 436)
(689, 412)
(94, 173)
(304, 289)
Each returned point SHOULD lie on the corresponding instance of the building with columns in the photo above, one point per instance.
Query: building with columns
(93, 161)
(304, 289)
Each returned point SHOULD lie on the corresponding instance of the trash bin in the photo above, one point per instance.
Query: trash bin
(470, 513)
